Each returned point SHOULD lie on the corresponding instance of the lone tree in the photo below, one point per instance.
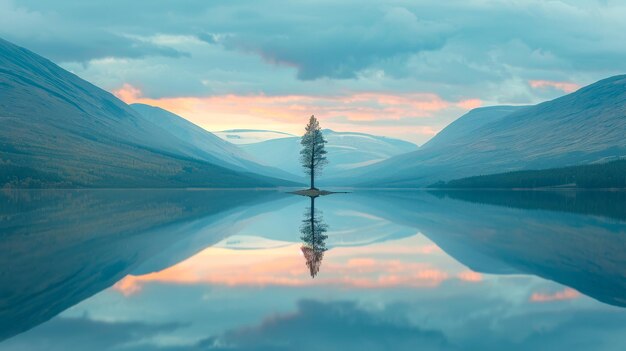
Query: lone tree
(313, 154)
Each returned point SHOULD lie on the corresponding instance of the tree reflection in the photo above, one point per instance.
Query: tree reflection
(313, 238)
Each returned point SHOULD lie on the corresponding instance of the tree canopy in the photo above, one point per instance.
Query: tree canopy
(313, 152)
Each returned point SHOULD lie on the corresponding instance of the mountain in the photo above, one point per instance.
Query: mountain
(249, 136)
(210, 147)
(345, 151)
(468, 124)
(584, 127)
(61, 131)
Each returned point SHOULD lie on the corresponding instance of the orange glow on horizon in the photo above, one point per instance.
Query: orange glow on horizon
(470, 104)
(288, 112)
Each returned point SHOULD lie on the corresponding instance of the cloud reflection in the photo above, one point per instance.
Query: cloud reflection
(397, 264)
(332, 326)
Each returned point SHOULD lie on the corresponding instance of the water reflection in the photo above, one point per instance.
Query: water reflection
(575, 238)
(61, 247)
(313, 238)
(609, 204)
(408, 270)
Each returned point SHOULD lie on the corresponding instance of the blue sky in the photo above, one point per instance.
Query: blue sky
(397, 68)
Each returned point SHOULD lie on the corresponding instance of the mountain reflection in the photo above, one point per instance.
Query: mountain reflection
(61, 247)
(577, 239)
(313, 238)
(607, 204)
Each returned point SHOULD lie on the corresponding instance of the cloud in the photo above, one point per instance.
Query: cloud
(468, 53)
(345, 39)
(564, 86)
(338, 49)
(103, 46)
(65, 39)
(566, 294)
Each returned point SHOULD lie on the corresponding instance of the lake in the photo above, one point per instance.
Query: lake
(265, 270)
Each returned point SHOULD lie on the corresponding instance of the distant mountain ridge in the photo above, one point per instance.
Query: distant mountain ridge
(253, 131)
(249, 136)
(346, 150)
(61, 131)
(583, 127)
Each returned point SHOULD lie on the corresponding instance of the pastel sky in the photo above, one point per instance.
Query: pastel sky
(399, 68)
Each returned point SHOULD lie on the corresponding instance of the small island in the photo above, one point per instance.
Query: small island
(314, 192)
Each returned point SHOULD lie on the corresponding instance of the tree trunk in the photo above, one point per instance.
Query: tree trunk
(313, 221)
(312, 166)
(312, 215)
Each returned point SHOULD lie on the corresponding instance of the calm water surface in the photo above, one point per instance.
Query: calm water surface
(231, 270)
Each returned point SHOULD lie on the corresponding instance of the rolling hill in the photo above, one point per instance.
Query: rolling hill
(61, 131)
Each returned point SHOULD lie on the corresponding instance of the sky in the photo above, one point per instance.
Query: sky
(402, 69)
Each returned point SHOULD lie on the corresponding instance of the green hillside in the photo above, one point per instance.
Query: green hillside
(596, 176)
